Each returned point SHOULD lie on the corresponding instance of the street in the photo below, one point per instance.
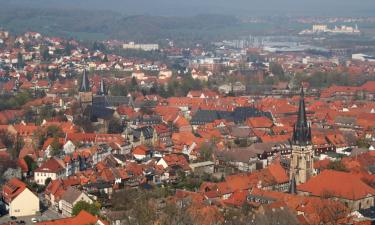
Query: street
(46, 215)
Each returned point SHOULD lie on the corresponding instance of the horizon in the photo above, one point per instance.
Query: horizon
(195, 7)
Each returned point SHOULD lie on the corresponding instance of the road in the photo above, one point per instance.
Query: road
(46, 215)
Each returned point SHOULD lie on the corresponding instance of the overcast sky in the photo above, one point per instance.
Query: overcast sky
(233, 7)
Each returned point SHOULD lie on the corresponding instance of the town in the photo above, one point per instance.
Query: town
(247, 131)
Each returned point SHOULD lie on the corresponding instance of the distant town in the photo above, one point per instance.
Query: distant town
(250, 130)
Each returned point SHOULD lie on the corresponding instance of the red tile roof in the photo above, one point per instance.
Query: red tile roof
(51, 166)
(12, 189)
(82, 218)
(338, 184)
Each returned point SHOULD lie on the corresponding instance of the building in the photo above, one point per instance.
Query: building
(85, 94)
(144, 47)
(82, 218)
(348, 188)
(19, 200)
(301, 163)
(53, 168)
(363, 57)
(70, 197)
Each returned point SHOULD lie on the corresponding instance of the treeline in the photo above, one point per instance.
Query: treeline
(96, 24)
(16, 101)
(327, 79)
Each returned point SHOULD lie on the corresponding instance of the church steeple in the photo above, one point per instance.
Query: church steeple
(302, 130)
(301, 160)
(85, 83)
(102, 88)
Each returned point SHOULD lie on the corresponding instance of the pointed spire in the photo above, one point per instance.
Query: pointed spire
(102, 89)
(85, 83)
(302, 130)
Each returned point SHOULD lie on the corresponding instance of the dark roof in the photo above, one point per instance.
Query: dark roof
(240, 114)
(371, 169)
(208, 116)
(148, 132)
(111, 101)
(71, 195)
(302, 130)
(96, 112)
(85, 83)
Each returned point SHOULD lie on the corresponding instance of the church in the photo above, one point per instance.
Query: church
(302, 158)
(99, 108)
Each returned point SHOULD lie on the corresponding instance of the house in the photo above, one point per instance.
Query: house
(171, 165)
(182, 125)
(203, 167)
(141, 152)
(82, 218)
(260, 123)
(338, 142)
(19, 200)
(70, 197)
(345, 187)
(53, 168)
(141, 136)
(56, 189)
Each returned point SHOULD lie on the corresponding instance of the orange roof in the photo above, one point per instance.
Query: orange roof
(338, 184)
(12, 189)
(259, 122)
(140, 150)
(82, 218)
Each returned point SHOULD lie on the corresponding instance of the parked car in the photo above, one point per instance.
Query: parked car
(13, 218)
(34, 220)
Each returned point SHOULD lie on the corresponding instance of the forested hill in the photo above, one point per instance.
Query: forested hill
(96, 24)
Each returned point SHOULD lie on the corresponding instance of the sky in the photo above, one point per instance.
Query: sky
(231, 7)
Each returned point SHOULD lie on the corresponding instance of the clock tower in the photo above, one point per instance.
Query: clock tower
(301, 162)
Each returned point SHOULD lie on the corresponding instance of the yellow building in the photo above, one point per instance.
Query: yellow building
(20, 201)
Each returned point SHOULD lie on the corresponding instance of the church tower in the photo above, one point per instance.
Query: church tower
(85, 94)
(301, 163)
(102, 88)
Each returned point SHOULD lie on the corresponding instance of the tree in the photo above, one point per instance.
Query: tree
(337, 165)
(118, 90)
(176, 215)
(134, 84)
(54, 131)
(6, 138)
(115, 127)
(29, 76)
(17, 146)
(20, 61)
(206, 152)
(277, 70)
(363, 143)
(47, 181)
(92, 208)
(45, 54)
(31, 164)
(56, 147)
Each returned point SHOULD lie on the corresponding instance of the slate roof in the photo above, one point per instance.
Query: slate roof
(96, 112)
(71, 195)
(111, 101)
(240, 114)
(147, 131)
